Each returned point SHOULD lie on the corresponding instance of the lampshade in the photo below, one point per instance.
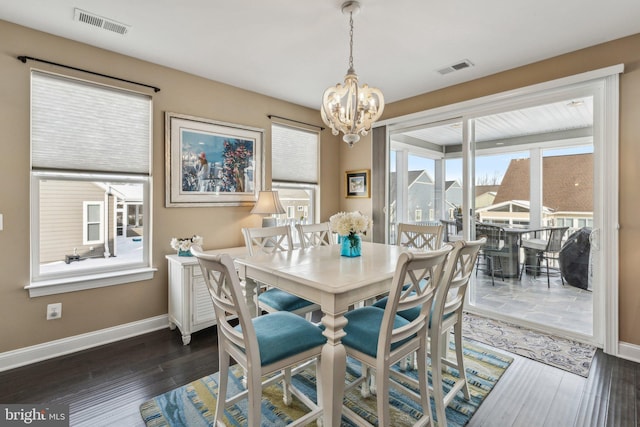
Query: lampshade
(349, 108)
(268, 203)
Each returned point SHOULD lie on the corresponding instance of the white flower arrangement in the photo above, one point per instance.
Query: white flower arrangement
(184, 244)
(349, 223)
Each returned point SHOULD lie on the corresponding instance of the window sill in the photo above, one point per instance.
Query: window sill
(80, 283)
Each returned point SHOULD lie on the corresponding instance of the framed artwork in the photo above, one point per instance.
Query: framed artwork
(211, 163)
(357, 184)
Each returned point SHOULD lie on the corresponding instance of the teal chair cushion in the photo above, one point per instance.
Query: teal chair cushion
(363, 329)
(284, 334)
(410, 314)
(282, 301)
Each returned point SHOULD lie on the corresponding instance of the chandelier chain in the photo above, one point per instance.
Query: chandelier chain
(351, 41)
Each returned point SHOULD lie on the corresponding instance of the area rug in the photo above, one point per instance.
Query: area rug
(563, 353)
(193, 405)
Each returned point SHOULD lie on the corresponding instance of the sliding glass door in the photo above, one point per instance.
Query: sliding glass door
(526, 166)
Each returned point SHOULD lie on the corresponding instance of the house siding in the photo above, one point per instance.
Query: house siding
(61, 207)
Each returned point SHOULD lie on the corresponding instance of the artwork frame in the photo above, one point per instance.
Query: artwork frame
(358, 184)
(211, 163)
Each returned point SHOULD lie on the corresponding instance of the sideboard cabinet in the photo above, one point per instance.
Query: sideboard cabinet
(190, 306)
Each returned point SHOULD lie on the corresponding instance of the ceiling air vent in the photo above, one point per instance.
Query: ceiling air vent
(100, 22)
(460, 65)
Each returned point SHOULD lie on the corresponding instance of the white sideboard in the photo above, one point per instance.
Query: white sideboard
(190, 306)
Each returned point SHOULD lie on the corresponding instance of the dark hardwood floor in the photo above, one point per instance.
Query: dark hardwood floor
(105, 386)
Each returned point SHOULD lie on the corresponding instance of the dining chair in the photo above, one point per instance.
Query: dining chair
(263, 346)
(492, 252)
(545, 250)
(427, 237)
(312, 235)
(379, 337)
(446, 315)
(270, 240)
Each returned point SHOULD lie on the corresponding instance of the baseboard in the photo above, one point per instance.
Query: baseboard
(629, 351)
(27, 355)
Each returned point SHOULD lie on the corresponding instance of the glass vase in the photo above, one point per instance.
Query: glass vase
(351, 245)
(184, 253)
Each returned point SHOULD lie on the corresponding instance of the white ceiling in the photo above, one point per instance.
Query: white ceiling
(294, 50)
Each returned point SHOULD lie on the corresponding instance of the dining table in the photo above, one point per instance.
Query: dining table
(336, 283)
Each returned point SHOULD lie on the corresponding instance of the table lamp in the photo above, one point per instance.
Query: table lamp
(268, 204)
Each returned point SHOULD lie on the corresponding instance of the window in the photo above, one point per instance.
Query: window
(92, 221)
(418, 215)
(294, 157)
(90, 181)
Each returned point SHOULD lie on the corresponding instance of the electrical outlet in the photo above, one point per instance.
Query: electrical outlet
(54, 311)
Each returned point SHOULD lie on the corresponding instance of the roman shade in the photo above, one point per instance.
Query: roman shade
(294, 155)
(81, 126)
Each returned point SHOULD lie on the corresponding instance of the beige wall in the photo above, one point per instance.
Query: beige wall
(183, 93)
(627, 51)
(24, 321)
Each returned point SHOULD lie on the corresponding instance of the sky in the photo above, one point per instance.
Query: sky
(488, 166)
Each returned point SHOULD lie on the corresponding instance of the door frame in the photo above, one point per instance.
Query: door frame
(604, 84)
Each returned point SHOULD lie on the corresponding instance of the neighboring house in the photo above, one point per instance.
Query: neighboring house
(567, 196)
(296, 204)
(453, 197)
(485, 195)
(421, 203)
(104, 212)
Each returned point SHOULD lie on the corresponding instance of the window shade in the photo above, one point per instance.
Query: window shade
(77, 125)
(294, 155)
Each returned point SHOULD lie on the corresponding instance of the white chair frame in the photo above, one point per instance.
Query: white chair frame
(270, 240)
(447, 314)
(224, 287)
(312, 235)
(427, 237)
(412, 268)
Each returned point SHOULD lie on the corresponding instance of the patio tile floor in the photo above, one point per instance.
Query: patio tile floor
(563, 307)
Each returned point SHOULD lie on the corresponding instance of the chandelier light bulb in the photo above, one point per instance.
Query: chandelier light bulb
(348, 108)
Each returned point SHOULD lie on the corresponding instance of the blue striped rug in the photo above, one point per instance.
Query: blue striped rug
(193, 405)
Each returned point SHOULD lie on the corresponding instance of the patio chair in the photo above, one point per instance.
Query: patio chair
(491, 253)
(545, 250)
(263, 346)
(451, 230)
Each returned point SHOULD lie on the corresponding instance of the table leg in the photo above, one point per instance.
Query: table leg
(250, 287)
(333, 369)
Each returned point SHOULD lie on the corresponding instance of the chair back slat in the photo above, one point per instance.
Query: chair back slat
(555, 238)
(268, 239)
(423, 271)
(428, 237)
(312, 235)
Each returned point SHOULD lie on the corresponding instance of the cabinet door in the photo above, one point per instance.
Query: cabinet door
(202, 306)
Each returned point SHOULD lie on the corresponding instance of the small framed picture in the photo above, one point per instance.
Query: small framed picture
(357, 184)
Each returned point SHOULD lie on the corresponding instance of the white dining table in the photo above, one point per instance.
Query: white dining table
(334, 282)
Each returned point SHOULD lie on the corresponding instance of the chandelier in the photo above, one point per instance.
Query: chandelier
(348, 108)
